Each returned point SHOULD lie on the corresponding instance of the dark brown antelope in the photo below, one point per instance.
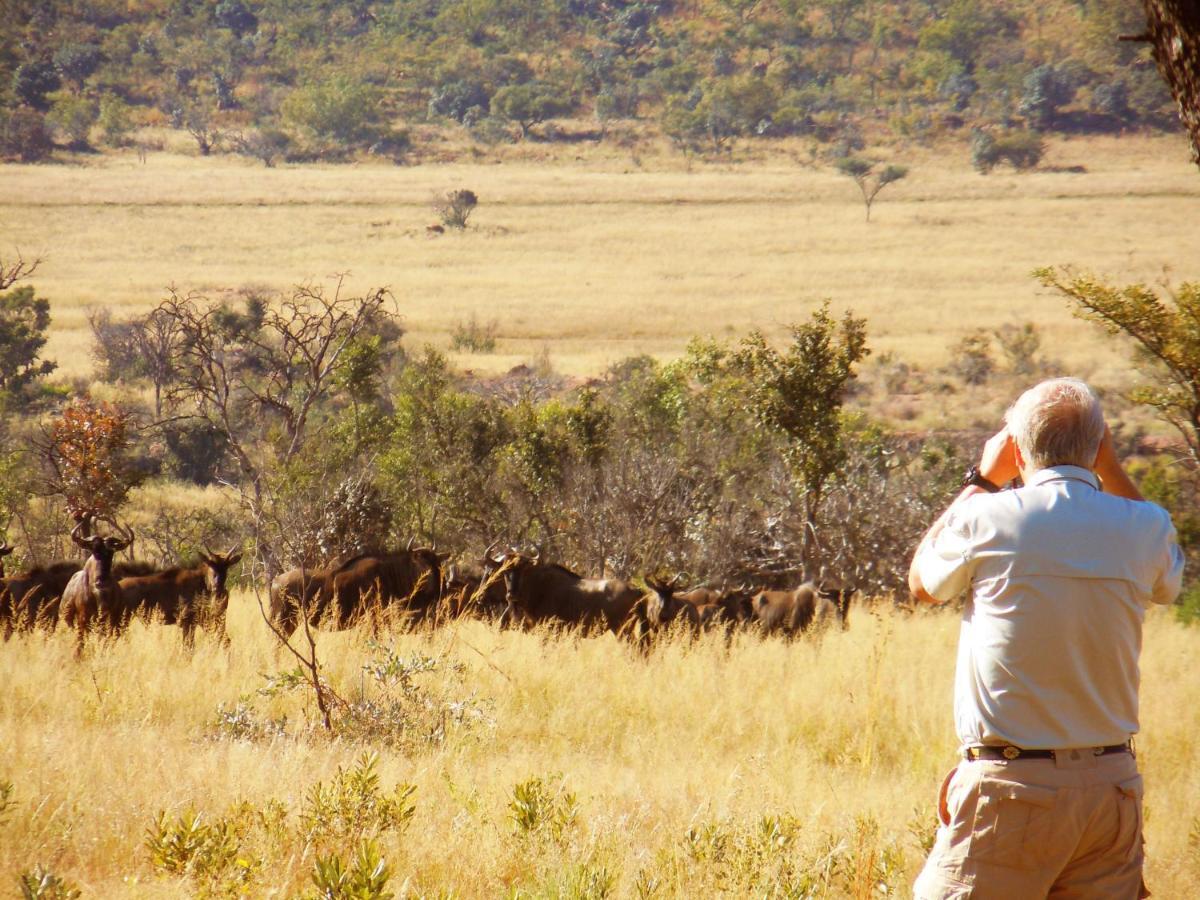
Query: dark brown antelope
(186, 597)
(93, 593)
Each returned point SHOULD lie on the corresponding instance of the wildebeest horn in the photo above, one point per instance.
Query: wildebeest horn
(411, 541)
(5, 549)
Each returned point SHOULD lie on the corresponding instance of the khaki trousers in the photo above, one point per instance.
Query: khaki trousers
(1068, 828)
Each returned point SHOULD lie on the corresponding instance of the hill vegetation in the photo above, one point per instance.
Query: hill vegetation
(309, 79)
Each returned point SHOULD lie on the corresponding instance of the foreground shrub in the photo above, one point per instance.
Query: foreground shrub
(42, 884)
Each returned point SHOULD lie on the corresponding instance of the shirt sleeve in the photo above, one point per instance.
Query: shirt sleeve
(1170, 577)
(944, 564)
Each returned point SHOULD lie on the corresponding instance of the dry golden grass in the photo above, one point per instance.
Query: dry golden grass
(849, 734)
(598, 259)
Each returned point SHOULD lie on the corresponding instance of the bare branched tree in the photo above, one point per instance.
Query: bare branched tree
(259, 376)
(14, 270)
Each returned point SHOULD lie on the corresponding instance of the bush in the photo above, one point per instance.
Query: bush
(115, 121)
(1020, 149)
(340, 109)
(74, 116)
(971, 358)
(456, 207)
(23, 135)
(474, 336)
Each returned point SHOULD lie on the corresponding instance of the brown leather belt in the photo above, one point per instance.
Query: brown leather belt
(1009, 752)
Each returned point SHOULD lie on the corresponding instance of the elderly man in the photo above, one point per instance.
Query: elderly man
(1048, 800)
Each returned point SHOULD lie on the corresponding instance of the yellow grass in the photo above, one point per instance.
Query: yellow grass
(596, 259)
(849, 735)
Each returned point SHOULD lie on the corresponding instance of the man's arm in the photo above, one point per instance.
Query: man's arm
(999, 466)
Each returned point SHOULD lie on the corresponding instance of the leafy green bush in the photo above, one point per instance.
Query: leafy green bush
(23, 135)
(74, 116)
(1020, 149)
(339, 109)
(365, 878)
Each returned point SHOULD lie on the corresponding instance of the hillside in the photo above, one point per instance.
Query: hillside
(321, 79)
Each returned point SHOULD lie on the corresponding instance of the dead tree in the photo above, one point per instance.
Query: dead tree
(259, 376)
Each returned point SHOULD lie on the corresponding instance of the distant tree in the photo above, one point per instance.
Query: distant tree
(23, 135)
(75, 116)
(33, 80)
(266, 145)
(971, 358)
(861, 172)
(75, 62)
(1046, 90)
(530, 104)
(115, 120)
(1020, 149)
(236, 16)
(142, 347)
(1164, 326)
(24, 321)
(460, 99)
(340, 109)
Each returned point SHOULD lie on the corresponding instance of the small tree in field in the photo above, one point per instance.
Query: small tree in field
(1164, 329)
(861, 170)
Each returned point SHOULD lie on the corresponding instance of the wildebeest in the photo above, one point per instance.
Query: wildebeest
(187, 597)
(698, 609)
(5, 550)
(93, 593)
(473, 591)
(792, 612)
(546, 592)
(337, 597)
(33, 596)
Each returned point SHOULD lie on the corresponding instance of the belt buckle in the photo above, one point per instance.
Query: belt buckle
(1011, 752)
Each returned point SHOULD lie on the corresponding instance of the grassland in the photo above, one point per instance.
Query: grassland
(595, 258)
(700, 771)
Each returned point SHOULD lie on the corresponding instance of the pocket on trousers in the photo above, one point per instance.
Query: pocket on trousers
(1128, 844)
(1014, 823)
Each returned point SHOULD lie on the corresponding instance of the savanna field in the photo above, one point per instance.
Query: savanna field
(478, 762)
(539, 765)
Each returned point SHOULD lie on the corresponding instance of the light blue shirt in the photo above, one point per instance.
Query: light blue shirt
(1060, 575)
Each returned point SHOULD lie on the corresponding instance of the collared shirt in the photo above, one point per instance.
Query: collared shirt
(1060, 575)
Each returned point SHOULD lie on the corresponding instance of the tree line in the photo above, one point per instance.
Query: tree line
(311, 79)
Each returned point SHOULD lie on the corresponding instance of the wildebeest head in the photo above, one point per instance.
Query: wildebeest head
(102, 549)
(218, 566)
(662, 606)
(5, 550)
(839, 595)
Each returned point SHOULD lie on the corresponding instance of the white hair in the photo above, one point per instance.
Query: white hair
(1057, 423)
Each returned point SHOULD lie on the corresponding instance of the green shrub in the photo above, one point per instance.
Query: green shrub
(1020, 149)
(365, 878)
(74, 116)
(115, 120)
(23, 135)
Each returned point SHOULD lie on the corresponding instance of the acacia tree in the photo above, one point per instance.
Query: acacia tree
(260, 377)
(24, 319)
(861, 170)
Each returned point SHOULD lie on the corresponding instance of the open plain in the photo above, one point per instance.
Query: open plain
(592, 259)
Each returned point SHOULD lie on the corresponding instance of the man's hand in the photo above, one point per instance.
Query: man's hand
(1112, 475)
(999, 461)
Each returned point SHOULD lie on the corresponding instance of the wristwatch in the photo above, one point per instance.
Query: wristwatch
(974, 478)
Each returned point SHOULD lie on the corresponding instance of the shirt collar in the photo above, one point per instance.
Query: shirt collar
(1065, 473)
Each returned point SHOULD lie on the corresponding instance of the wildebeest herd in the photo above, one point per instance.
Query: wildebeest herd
(415, 584)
